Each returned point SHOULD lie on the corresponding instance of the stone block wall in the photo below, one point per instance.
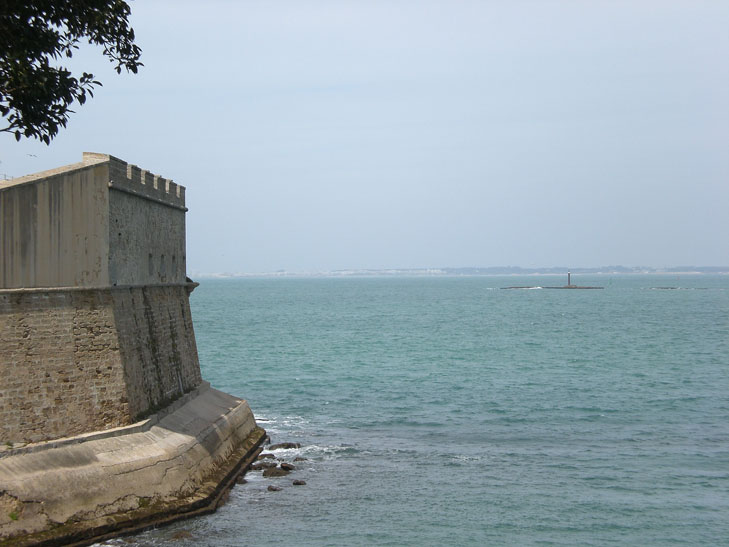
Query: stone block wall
(75, 361)
(157, 345)
(95, 325)
(60, 367)
(146, 241)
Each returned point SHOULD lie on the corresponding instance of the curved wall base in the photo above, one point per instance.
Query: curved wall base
(76, 492)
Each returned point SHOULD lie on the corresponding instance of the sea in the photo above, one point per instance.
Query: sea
(448, 411)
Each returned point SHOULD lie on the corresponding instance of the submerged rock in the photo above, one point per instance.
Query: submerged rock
(272, 488)
(263, 465)
(284, 445)
(299, 482)
(275, 472)
(288, 466)
(266, 456)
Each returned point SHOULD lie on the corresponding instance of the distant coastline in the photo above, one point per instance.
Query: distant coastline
(489, 271)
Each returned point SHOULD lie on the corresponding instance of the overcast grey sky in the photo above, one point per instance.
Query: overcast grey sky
(319, 135)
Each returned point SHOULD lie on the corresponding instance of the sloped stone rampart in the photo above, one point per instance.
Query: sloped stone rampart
(156, 344)
(106, 357)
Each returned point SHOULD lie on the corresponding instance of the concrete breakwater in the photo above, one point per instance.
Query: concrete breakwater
(105, 421)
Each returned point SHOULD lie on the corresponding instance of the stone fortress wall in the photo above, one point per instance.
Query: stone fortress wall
(146, 227)
(54, 228)
(95, 323)
(98, 358)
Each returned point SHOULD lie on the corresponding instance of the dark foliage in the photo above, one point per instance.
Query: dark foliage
(35, 35)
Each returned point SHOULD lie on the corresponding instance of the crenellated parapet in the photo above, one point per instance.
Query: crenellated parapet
(98, 223)
(130, 178)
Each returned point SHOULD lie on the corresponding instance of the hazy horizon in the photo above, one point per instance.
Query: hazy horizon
(481, 270)
(321, 136)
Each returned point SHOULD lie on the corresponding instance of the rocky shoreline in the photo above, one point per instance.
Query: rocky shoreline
(272, 466)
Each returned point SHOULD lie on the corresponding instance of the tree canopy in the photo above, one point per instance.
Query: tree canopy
(35, 35)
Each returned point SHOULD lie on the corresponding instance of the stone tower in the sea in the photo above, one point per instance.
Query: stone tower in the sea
(96, 335)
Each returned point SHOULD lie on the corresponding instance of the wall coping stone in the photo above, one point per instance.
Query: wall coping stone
(52, 173)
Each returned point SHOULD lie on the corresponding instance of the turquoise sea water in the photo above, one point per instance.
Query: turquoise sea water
(445, 411)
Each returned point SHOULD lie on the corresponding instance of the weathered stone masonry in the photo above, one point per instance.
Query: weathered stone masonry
(60, 363)
(95, 325)
(96, 334)
(85, 360)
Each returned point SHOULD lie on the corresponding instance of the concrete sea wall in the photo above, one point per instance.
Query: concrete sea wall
(83, 489)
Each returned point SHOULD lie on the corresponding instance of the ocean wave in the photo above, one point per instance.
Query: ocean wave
(314, 452)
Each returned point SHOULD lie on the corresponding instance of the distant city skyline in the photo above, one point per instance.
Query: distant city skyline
(321, 136)
(484, 271)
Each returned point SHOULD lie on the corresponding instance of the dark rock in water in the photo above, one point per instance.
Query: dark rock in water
(266, 456)
(263, 465)
(241, 480)
(288, 466)
(275, 472)
(284, 445)
(267, 440)
(272, 488)
(300, 459)
(181, 534)
(299, 482)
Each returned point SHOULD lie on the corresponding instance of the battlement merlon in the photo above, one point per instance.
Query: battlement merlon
(131, 179)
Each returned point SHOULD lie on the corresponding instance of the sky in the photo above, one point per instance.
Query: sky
(323, 135)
